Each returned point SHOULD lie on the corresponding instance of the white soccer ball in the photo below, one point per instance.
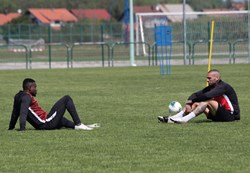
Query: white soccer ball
(174, 107)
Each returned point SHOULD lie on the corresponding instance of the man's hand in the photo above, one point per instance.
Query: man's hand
(188, 106)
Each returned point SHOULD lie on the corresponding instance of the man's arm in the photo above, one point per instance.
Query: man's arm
(24, 109)
(15, 111)
(207, 95)
(197, 94)
(193, 96)
(13, 119)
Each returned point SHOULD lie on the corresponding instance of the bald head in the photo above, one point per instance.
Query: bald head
(215, 73)
(213, 76)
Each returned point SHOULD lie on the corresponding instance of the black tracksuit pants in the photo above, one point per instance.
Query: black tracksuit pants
(56, 119)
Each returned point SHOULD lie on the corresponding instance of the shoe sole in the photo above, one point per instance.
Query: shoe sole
(177, 122)
(95, 125)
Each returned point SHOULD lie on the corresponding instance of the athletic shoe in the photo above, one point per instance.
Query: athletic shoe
(95, 125)
(164, 119)
(82, 127)
(178, 120)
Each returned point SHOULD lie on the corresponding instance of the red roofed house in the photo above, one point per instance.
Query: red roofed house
(174, 8)
(6, 18)
(91, 14)
(55, 17)
(238, 6)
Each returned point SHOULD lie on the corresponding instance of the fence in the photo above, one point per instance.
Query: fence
(104, 45)
(102, 54)
(68, 56)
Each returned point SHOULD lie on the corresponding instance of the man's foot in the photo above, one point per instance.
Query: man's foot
(95, 125)
(82, 127)
(178, 120)
(165, 119)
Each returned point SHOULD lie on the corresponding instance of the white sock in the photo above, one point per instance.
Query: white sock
(188, 117)
(179, 115)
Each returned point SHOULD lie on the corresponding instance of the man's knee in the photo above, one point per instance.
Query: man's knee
(66, 98)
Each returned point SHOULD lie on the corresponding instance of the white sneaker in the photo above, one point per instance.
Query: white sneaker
(178, 120)
(82, 127)
(95, 125)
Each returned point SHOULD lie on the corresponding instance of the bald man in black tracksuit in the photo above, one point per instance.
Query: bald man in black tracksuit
(218, 101)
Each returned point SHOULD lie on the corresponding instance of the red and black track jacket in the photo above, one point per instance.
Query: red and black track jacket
(24, 104)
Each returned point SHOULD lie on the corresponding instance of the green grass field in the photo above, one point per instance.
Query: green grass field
(126, 102)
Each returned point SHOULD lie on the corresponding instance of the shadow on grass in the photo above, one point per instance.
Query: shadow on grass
(203, 121)
(210, 121)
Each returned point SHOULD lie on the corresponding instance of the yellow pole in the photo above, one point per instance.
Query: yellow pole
(210, 47)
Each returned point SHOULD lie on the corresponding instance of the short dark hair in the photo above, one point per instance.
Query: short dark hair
(27, 83)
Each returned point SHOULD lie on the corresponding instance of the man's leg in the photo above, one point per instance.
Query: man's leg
(55, 117)
(201, 107)
(167, 119)
(212, 107)
(220, 114)
(66, 123)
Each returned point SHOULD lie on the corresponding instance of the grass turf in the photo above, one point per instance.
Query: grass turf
(126, 102)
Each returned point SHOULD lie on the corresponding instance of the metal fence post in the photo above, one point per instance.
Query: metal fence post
(102, 45)
(208, 36)
(189, 52)
(68, 54)
(108, 55)
(49, 41)
(112, 54)
(149, 53)
(230, 52)
(30, 57)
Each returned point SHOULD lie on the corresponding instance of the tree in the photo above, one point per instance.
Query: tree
(6, 6)
(24, 19)
(246, 4)
(229, 4)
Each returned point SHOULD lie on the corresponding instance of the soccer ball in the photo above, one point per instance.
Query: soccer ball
(174, 107)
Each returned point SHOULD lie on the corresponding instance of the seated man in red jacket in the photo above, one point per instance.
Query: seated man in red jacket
(26, 108)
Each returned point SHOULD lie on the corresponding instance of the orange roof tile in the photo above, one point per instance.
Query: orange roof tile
(5, 18)
(238, 6)
(47, 16)
(94, 14)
